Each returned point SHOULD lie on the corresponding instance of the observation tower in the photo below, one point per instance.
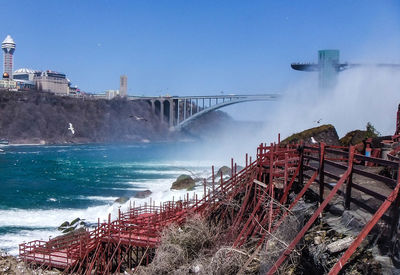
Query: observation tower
(329, 66)
(8, 47)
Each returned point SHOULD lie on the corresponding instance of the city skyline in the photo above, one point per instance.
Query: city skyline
(196, 47)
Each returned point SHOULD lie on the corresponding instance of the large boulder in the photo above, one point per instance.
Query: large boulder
(354, 137)
(67, 227)
(122, 200)
(142, 194)
(183, 182)
(226, 171)
(324, 133)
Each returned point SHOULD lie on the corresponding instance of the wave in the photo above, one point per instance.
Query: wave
(98, 198)
(35, 220)
(9, 241)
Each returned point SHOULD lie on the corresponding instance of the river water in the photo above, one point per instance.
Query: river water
(43, 186)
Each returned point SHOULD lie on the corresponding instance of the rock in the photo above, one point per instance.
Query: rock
(340, 245)
(226, 171)
(355, 137)
(75, 221)
(64, 224)
(317, 240)
(143, 194)
(324, 133)
(69, 229)
(196, 268)
(76, 224)
(183, 182)
(122, 200)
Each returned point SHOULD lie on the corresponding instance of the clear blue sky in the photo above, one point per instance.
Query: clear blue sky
(195, 47)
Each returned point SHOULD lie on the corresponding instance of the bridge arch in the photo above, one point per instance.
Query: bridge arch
(178, 111)
(203, 111)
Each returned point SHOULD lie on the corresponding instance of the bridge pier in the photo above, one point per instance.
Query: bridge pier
(171, 113)
(178, 112)
(162, 111)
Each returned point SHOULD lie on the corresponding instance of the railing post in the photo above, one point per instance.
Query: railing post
(285, 175)
(231, 167)
(395, 214)
(321, 171)
(222, 182)
(205, 191)
(348, 189)
(213, 179)
(301, 164)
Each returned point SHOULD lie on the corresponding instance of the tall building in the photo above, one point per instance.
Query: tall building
(8, 47)
(123, 86)
(328, 61)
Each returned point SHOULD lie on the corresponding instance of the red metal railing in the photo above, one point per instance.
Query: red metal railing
(275, 168)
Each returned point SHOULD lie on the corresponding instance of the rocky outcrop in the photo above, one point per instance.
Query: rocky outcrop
(143, 194)
(183, 182)
(354, 137)
(121, 200)
(35, 117)
(67, 227)
(324, 133)
(225, 170)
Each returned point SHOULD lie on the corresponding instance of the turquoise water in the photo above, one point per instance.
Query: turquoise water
(43, 186)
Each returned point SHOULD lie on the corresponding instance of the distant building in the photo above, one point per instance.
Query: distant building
(50, 81)
(25, 79)
(7, 84)
(110, 94)
(74, 90)
(8, 47)
(123, 86)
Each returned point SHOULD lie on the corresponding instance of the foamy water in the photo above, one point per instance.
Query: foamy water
(67, 183)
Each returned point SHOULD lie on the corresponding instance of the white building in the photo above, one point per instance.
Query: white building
(50, 81)
(110, 94)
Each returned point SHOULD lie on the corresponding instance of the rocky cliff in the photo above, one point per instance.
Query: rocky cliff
(33, 117)
(43, 118)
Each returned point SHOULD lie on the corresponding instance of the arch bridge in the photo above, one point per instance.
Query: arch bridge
(178, 111)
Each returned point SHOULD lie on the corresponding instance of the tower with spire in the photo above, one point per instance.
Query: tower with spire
(8, 47)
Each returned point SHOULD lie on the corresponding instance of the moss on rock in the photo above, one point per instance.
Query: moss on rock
(324, 133)
(183, 182)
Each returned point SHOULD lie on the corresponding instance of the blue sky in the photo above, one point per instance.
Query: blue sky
(195, 47)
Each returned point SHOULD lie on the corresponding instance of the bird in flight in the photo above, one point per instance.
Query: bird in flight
(318, 121)
(138, 117)
(71, 128)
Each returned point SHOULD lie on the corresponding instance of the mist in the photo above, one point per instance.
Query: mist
(366, 94)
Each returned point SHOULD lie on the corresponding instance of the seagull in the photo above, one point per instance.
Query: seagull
(313, 141)
(139, 118)
(318, 121)
(71, 128)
